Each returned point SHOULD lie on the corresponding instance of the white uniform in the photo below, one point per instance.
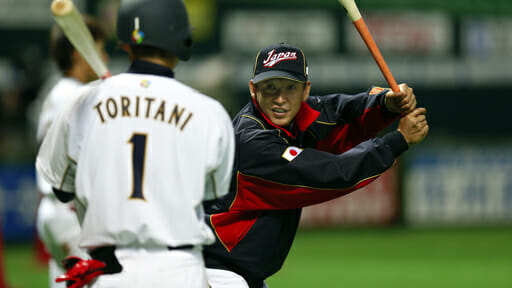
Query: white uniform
(57, 224)
(141, 152)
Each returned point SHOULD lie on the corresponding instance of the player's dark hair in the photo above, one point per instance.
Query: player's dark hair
(61, 48)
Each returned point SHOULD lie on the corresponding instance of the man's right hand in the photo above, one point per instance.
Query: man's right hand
(80, 272)
(413, 126)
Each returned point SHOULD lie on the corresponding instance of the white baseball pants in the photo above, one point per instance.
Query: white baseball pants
(156, 268)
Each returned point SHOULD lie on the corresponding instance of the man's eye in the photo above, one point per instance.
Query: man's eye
(270, 88)
(291, 87)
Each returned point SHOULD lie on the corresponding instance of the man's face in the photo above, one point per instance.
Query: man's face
(280, 99)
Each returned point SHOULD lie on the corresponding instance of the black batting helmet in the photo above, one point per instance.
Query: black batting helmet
(158, 23)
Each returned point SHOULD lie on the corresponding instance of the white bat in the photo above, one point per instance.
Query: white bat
(73, 25)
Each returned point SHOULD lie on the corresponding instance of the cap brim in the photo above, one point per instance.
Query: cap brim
(277, 74)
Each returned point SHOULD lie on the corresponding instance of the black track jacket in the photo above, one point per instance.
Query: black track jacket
(330, 150)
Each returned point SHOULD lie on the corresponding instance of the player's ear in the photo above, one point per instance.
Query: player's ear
(126, 48)
(307, 88)
(252, 89)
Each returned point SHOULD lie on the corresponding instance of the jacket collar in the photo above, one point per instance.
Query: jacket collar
(144, 67)
(305, 117)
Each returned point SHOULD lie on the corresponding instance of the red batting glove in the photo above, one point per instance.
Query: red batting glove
(80, 272)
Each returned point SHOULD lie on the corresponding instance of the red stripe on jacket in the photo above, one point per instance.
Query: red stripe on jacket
(345, 136)
(232, 226)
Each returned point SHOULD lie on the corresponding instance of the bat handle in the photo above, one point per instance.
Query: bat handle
(374, 50)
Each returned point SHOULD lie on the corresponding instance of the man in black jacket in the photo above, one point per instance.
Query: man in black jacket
(295, 150)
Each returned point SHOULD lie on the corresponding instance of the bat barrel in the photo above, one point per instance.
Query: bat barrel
(354, 14)
(72, 24)
(374, 50)
(61, 7)
(351, 8)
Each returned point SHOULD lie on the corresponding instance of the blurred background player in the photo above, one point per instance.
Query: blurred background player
(295, 150)
(57, 224)
(139, 152)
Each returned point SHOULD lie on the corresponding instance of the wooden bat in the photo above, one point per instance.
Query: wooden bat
(357, 19)
(73, 25)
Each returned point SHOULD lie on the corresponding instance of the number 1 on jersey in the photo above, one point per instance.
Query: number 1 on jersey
(138, 156)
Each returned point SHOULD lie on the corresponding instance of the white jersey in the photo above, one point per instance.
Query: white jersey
(141, 152)
(57, 224)
(60, 93)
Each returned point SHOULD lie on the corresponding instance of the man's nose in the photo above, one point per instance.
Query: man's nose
(280, 98)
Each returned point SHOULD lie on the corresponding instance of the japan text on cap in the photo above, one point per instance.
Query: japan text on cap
(280, 61)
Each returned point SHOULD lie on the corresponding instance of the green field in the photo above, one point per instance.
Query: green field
(354, 258)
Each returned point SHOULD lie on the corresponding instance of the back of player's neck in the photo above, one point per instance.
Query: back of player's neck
(169, 63)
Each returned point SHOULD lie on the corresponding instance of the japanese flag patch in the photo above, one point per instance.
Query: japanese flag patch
(291, 152)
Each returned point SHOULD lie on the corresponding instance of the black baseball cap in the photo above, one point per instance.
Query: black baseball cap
(280, 61)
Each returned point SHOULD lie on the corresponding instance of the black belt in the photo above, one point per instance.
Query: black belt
(182, 247)
(107, 256)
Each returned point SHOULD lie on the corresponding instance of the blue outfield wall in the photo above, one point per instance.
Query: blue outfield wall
(18, 201)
